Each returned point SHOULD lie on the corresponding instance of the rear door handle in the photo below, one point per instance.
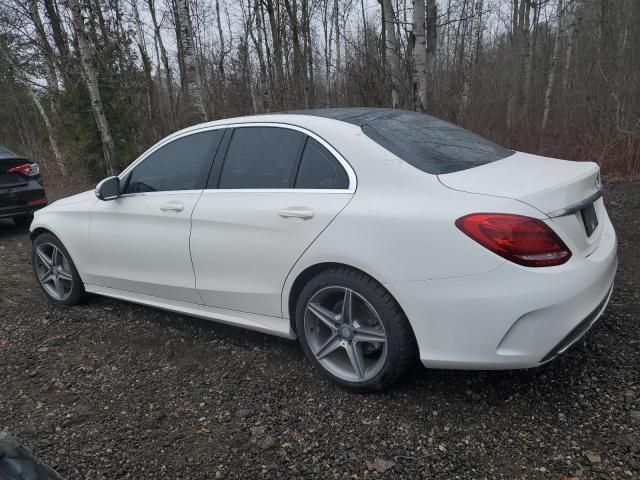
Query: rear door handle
(172, 207)
(297, 212)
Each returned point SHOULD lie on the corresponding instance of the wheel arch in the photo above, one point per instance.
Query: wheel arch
(311, 271)
(39, 231)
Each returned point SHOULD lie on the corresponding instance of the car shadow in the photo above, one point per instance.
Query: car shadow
(489, 388)
(8, 229)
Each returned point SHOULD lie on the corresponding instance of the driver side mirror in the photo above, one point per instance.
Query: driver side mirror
(108, 189)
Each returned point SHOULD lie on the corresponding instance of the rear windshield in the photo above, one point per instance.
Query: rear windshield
(432, 145)
(6, 153)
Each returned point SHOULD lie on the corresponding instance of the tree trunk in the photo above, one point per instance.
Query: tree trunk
(419, 57)
(393, 51)
(298, 62)
(327, 30)
(529, 61)
(192, 85)
(221, 56)
(470, 60)
(163, 54)
(572, 26)
(338, 66)
(276, 38)
(91, 78)
(59, 37)
(146, 64)
(432, 44)
(263, 91)
(52, 140)
(552, 72)
(49, 65)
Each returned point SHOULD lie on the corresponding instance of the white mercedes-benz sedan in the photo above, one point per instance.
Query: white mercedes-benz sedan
(374, 236)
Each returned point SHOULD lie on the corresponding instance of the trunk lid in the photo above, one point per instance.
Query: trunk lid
(561, 189)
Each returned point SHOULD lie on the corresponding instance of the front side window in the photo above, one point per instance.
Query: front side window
(180, 165)
(319, 169)
(261, 157)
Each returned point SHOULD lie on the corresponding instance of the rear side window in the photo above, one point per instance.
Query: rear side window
(179, 165)
(261, 157)
(432, 145)
(319, 169)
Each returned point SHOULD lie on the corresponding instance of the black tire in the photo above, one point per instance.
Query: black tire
(401, 344)
(77, 293)
(23, 221)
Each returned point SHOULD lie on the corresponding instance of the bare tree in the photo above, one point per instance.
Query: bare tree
(509, 77)
(432, 45)
(50, 134)
(192, 83)
(552, 70)
(393, 51)
(163, 53)
(91, 78)
(419, 56)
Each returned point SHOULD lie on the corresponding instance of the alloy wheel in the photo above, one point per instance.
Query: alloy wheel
(54, 271)
(345, 334)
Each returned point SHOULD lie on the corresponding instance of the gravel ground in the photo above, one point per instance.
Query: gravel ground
(114, 390)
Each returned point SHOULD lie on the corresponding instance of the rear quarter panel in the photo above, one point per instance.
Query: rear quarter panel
(400, 227)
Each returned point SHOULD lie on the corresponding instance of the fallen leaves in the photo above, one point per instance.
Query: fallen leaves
(297, 436)
(380, 465)
(593, 457)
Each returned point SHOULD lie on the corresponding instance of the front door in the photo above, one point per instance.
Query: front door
(140, 240)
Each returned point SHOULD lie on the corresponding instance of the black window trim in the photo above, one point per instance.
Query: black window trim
(216, 171)
(125, 176)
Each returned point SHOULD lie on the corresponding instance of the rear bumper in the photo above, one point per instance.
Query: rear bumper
(9, 212)
(19, 200)
(510, 317)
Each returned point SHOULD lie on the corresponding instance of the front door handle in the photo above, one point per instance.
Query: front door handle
(297, 212)
(172, 207)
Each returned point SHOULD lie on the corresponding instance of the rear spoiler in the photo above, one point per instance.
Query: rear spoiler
(18, 463)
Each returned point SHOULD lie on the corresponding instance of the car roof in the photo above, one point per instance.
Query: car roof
(357, 115)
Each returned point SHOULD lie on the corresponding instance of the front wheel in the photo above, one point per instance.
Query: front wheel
(353, 330)
(55, 271)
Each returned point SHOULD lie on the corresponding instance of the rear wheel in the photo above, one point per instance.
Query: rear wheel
(55, 271)
(23, 220)
(353, 330)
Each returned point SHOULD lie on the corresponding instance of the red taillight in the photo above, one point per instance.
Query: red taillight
(522, 240)
(38, 201)
(27, 169)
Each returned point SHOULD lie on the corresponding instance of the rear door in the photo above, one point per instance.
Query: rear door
(140, 240)
(273, 191)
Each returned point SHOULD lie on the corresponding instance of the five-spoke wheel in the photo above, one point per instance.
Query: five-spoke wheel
(353, 330)
(345, 333)
(55, 270)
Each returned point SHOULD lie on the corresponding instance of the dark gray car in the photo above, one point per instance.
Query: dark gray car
(21, 189)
